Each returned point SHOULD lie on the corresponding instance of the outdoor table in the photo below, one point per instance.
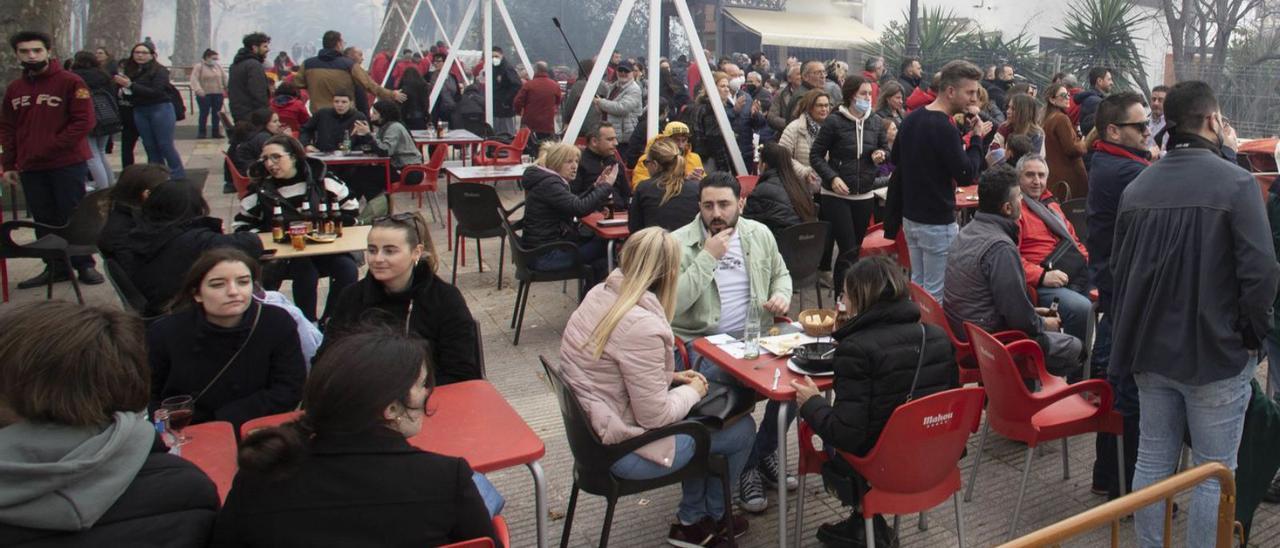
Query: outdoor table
(610, 234)
(476, 174)
(354, 238)
(966, 199)
(457, 138)
(212, 448)
(355, 159)
(757, 375)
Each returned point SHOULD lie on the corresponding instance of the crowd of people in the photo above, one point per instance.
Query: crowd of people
(819, 143)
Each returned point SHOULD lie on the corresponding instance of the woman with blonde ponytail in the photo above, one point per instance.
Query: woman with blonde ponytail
(669, 199)
(617, 356)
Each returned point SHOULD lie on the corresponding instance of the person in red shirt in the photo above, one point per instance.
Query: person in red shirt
(923, 95)
(537, 103)
(381, 64)
(44, 128)
(290, 108)
(1053, 258)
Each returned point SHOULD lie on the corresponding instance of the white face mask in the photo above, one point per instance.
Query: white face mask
(497, 61)
(736, 82)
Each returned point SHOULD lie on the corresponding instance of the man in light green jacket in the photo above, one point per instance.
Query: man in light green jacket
(728, 264)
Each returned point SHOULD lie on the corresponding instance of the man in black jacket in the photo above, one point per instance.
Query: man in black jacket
(998, 87)
(247, 86)
(1099, 86)
(602, 152)
(910, 76)
(506, 84)
(329, 127)
(1195, 278)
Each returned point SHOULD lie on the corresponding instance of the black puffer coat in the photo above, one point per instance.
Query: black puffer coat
(550, 209)
(157, 256)
(770, 204)
(834, 152)
(874, 366)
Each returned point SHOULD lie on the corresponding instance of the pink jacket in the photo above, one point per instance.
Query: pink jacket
(626, 392)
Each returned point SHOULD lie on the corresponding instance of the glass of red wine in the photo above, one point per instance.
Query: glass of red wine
(178, 411)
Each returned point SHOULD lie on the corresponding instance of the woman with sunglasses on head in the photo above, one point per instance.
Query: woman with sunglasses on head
(344, 473)
(145, 84)
(285, 177)
(238, 358)
(403, 291)
(1063, 147)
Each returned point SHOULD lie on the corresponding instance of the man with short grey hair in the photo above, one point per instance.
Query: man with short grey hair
(537, 102)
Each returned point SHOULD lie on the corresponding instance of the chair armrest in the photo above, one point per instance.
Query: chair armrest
(1029, 357)
(1006, 337)
(1100, 387)
(507, 212)
(699, 432)
(7, 228)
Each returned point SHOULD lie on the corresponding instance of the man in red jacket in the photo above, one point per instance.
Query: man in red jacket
(538, 101)
(44, 124)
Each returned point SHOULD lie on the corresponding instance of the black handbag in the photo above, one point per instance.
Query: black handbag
(1067, 258)
(107, 114)
(722, 403)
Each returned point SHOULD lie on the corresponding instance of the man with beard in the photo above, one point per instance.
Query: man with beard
(44, 128)
(728, 264)
(601, 153)
(247, 86)
(998, 87)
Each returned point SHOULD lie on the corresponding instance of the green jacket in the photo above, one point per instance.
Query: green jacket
(697, 298)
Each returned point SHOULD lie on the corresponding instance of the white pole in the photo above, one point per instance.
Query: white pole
(597, 72)
(467, 17)
(708, 84)
(486, 62)
(655, 27)
(515, 37)
(416, 44)
(400, 45)
(466, 81)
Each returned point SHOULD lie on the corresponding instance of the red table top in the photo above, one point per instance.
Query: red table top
(473, 421)
(619, 232)
(967, 197)
(213, 449)
(757, 374)
(350, 159)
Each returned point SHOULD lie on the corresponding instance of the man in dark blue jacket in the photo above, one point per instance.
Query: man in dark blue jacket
(1195, 275)
(1099, 86)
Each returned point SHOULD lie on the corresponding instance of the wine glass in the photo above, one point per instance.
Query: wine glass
(177, 413)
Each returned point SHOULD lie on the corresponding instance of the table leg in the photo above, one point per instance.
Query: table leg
(782, 474)
(448, 223)
(540, 501)
(609, 255)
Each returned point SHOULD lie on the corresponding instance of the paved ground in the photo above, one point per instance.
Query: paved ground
(642, 520)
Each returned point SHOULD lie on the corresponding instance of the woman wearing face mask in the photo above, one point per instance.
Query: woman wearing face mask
(238, 358)
(209, 83)
(345, 469)
(285, 177)
(845, 154)
(403, 291)
(145, 84)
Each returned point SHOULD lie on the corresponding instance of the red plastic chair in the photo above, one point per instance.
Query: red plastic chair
(497, 153)
(1057, 411)
(499, 527)
(430, 180)
(931, 313)
(748, 183)
(914, 465)
(239, 180)
(267, 422)
(874, 243)
(4, 264)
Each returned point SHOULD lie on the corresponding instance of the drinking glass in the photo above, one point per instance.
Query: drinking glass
(177, 413)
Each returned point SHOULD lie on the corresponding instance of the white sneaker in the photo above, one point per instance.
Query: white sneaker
(751, 495)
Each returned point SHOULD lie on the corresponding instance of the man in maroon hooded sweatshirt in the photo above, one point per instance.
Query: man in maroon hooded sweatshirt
(44, 124)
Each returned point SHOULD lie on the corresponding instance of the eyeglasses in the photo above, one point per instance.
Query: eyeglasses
(266, 158)
(406, 218)
(142, 52)
(1122, 125)
(1062, 96)
(822, 105)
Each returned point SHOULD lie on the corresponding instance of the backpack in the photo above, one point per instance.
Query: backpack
(107, 114)
(179, 105)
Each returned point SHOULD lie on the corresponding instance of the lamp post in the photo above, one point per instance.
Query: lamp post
(913, 30)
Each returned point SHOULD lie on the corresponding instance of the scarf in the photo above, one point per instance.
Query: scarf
(812, 126)
(1051, 219)
(1121, 151)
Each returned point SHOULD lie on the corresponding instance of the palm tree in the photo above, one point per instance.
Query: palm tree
(992, 48)
(1100, 33)
(940, 34)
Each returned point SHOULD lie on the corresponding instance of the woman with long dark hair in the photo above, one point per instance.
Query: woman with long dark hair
(414, 108)
(248, 137)
(239, 359)
(781, 199)
(136, 184)
(345, 469)
(145, 83)
(86, 66)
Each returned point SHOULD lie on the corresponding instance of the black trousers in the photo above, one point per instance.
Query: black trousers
(849, 220)
(1104, 464)
(52, 195)
(128, 136)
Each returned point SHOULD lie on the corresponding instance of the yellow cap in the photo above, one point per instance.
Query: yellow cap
(675, 128)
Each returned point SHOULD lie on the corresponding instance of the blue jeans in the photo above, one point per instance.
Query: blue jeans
(929, 245)
(99, 166)
(1214, 414)
(155, 127)
(210, 105)
(702, 497)
(1073, 307)
(493, 500)
(766, 439)
(1273, 368)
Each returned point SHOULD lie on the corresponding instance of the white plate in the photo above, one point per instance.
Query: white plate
(797, 370)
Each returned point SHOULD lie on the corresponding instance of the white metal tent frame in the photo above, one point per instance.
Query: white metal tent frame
(417, 44)
(655, 28)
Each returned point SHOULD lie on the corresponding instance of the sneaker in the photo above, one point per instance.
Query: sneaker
(751, 492)
(740, 525)
(1273, 492)
(42, 279)
(768, 468)
(90, 276)
(692, 536)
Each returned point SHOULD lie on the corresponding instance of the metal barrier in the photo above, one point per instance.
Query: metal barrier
(1111, 512)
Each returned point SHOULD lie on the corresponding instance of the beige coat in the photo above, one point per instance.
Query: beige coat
(795, 138)
(627, 391)
(208, 79)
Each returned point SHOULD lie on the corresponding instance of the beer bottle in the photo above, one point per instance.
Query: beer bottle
(278, 233)
(323, 219)
(307, 218)
(335, 214)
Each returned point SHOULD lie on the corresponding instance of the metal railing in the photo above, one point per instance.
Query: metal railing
(1111, 512)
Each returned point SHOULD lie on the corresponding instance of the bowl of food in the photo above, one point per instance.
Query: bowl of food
(818, 322)
(815, 357)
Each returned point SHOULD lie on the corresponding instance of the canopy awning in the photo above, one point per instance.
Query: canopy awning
(778, 28)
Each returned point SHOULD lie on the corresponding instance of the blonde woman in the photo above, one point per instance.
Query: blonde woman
(617, 358)
(669, 199)
(551, 210)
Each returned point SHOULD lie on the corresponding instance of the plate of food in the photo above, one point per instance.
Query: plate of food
(322, 238)
(782, 345)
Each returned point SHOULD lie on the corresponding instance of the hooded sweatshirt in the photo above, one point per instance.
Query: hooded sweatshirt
(44, 120)
(64, 478)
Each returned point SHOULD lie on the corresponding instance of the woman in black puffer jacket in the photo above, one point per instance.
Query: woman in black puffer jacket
(875, 370)
(851, 143)
(780, 199)
(551, 210)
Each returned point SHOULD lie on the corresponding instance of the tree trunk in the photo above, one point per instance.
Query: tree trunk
(204, 26)
(394, 28)
(185, 35)
(1177, 21)
(114, 25)
(41, 15)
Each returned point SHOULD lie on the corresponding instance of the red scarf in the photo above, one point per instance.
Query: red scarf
(1117, 150)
